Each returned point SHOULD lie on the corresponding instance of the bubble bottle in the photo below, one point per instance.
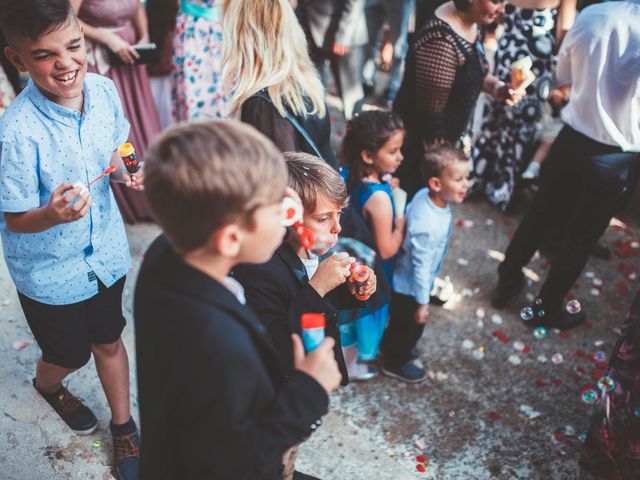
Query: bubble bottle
(312, 330)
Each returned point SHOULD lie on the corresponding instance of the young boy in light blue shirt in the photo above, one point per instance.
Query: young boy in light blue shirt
(445, 171)
(65, 244)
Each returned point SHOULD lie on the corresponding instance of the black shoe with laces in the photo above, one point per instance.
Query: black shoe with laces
(75, 414)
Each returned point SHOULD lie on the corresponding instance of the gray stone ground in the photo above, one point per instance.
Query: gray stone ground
(376, 429)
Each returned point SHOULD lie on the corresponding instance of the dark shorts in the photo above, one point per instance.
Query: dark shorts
(65, 332)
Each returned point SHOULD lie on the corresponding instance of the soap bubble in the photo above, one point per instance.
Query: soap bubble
(526, 313)
(574, 307)
(589, 395)
(539, 332)
(606, 384)
(541, 313)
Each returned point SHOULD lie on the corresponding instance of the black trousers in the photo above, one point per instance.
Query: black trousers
(403, 332)
(582, 184)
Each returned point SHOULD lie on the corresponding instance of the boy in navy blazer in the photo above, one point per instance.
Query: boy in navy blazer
(214, 401)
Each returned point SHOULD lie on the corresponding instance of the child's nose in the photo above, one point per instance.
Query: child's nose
(336, 228)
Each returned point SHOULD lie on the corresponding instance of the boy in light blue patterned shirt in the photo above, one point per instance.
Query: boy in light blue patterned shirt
(65, 244)
(445, 172)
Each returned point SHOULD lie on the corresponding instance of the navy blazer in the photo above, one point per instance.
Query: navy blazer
(214, 402)
(279, 292)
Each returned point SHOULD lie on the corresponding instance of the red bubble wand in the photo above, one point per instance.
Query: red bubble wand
(108, 171)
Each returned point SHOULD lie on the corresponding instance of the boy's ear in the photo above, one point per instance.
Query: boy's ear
(366, 157)
(434, 184)
(227, 240)
(14, 58)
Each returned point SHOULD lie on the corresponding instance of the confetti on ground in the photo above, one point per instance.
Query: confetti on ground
(420, 444)
(467, 344)
(463, 262)
(500, 335)
(496, 319)
(493, 416)
(542, 358)
(557, 358)
(515, 360)
(529, 411)
(96, 443)
(480, 312)
(21, 344)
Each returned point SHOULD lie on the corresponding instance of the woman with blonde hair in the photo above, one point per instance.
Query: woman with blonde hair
(271, 80)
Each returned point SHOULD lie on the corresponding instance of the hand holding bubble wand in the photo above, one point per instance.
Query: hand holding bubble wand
(359, 271)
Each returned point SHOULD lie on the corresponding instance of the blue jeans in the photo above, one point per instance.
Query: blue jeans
(396, 13)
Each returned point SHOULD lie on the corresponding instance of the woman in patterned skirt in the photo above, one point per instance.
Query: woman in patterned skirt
(532, 28)
(197, 52)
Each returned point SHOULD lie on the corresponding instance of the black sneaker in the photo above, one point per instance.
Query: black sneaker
(409, 373)
(71, 409)
(505, 292)
(563, 320)
(126, 451)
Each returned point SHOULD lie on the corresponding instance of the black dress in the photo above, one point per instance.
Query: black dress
(444, 76)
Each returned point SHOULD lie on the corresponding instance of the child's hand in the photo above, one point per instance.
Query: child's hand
(369, 287)
(135, 181)
(421, 314)
(320, 364)
(58, 209)
(331, 272)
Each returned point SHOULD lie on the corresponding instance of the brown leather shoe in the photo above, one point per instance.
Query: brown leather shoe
(75, 414)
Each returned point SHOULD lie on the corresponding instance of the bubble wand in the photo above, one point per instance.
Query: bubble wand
(293, 218)
(108, 171)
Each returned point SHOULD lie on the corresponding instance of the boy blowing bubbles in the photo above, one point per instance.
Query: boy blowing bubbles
(215, 400)
(65, 246)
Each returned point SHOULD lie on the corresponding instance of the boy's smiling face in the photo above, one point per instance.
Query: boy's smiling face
(57, 62)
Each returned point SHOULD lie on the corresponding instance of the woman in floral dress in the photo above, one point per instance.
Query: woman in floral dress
(531, 28)
(197, 50)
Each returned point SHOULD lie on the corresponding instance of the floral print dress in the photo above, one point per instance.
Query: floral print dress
(196, 81)
(509, 132)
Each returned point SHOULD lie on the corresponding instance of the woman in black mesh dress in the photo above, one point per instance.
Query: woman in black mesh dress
(445, 72)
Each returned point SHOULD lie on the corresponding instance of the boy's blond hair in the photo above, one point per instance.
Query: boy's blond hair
(311, 177)
(200, 176)
(437, 158)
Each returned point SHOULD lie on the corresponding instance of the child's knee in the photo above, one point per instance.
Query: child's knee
(108, 349)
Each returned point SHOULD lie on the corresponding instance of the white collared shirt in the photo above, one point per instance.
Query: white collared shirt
(600, 59)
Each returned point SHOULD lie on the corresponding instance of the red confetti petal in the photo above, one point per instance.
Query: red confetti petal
(541, 382)
(459, 223)
(500, 335)
(564, 334)
(570, 296)
(493, 416)
(422, 459)
(526, 349)
(560, 437)
(421, 468)
(557, 381)
(597, 374)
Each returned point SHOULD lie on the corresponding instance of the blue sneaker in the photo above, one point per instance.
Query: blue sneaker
(409, 372)
(126, 452)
